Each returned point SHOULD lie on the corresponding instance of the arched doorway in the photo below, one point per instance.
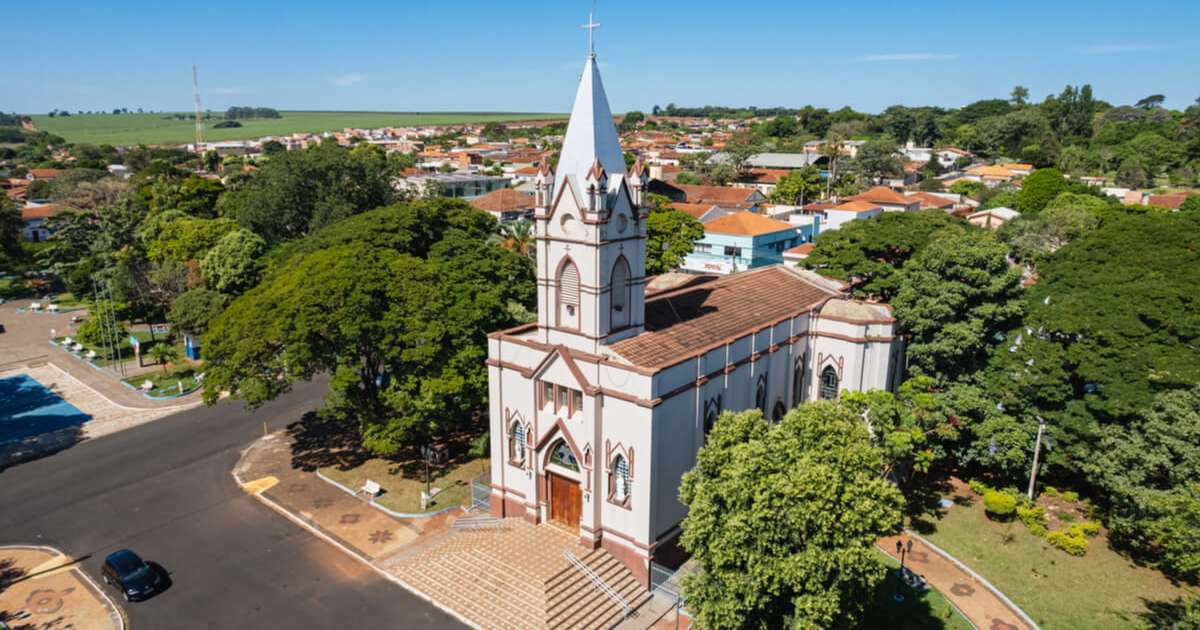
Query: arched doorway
(562, 484)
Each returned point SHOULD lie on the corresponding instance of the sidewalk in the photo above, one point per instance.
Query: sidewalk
(975, 599)
(39, 587)
(501, 574)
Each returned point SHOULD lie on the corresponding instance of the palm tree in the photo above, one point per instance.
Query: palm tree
(832, 149)
(516, 236)
(164, 352)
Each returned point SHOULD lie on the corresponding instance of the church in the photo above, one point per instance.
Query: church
(598, 408)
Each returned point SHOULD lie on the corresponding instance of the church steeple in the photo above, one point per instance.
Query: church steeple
(591, 232)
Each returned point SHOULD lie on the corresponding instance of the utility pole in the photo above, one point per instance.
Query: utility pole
(1037, 449)
(199, 124)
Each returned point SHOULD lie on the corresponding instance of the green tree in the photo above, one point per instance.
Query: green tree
(868, 254)
(234, 262)
(1150, 102)
(783, 519)
(299, 191)
(10, 232)
(1032, 238)
(798, 187)
(1020, 94)
(194, 309)
(184, 239)
(1150, 476)
(631, 120)
(517, 236)
(1039, 189)
(966, 187)
(1133, 174)
(670, 235)
(955, 295)
(877, 160)
(163, 353)
(1191, 204)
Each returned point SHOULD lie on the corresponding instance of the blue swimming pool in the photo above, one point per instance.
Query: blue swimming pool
(28, 408)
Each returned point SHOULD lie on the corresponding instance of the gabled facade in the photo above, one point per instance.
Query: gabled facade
(598, 409)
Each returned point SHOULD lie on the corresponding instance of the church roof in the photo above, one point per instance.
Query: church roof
(591, 135)
(685, 322)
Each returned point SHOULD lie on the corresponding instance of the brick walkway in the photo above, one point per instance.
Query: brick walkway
(977, 603)
(48, 592)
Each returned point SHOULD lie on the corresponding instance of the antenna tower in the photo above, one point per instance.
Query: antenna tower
(199, 123)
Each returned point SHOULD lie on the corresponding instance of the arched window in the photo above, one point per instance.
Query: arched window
(778, 411)
(516, 444)
(798, 382)
(829, 383)
(561, 455)
(568, 294)
(620, 294)
(760, 394)
(619, 479)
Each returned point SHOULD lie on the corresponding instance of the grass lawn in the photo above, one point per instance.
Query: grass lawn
(167, 383)
(1099, 590)
(403, 482)
(127, 129)
(928, 611)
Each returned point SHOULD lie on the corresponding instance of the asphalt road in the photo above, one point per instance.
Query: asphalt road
(164, 490)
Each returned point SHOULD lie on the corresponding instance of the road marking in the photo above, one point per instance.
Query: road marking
(259, 486)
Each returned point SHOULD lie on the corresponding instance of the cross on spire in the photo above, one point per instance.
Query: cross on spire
(591, 26)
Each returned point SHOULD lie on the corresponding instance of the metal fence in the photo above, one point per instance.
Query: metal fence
(481, 493)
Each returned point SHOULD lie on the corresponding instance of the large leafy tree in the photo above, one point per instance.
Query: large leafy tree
(10, 232)
(1150, 476)
(670, 234)
(799, 186)
(233, 264)
(868, 254)
(403, 336)
(1039, 189)
(955, 296)
(299, 191)
(193, 310)
(784, 517)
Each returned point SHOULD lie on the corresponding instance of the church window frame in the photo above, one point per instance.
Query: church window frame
(798, 382)
(517, 443)
(778, 411)
(620, 293)
(620, 481)
(760, 394)
(712, 412)
(567, 293)
(830, 383)
(563, 457)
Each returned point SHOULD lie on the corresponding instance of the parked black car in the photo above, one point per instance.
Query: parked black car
(128, 573)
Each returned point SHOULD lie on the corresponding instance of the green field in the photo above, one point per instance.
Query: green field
(129, 129)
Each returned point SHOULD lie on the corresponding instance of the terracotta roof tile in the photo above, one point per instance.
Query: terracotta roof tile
(746, 224)
(857, 206)
(882, 194)
(685, 322)
(716, 194)
(504, 200)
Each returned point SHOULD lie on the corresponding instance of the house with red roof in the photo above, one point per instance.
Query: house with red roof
(888, 199)
(506, 204)
(744, 240)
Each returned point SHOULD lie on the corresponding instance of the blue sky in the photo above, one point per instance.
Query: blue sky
(407, 55)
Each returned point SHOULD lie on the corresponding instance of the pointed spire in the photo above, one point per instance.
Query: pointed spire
(591, 135)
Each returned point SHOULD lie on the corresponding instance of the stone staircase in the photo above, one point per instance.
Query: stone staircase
(572, 601)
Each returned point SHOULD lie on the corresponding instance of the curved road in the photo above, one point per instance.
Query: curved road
(164, 489)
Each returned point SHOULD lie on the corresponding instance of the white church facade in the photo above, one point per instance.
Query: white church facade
(599, 407)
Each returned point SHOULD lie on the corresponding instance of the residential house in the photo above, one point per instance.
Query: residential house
(798, 254)
(993, 218)
(948, 157)
(700, 211)
(989, 175)
(457, 185)
(506, 204)
(740, 241)
(932, 201)
(837, 215)
(34, 217)
(43, 174)
(888, 199)
(762, 179)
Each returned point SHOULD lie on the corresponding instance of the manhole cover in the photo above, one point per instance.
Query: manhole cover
(963, 590)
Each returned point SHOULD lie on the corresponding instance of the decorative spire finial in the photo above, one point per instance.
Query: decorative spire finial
(591, 26)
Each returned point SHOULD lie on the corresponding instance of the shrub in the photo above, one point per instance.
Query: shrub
(1034, 519)
(1066, 517)
(977, 486)
(1071, 541)
(1070, 496)
(1050, 491)
(1091, 529)
(999, 505)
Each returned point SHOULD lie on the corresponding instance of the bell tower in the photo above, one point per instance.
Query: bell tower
(590, 226)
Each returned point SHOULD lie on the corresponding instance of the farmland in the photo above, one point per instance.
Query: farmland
(161, 128)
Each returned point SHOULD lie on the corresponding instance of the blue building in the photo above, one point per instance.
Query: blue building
(745, 240)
